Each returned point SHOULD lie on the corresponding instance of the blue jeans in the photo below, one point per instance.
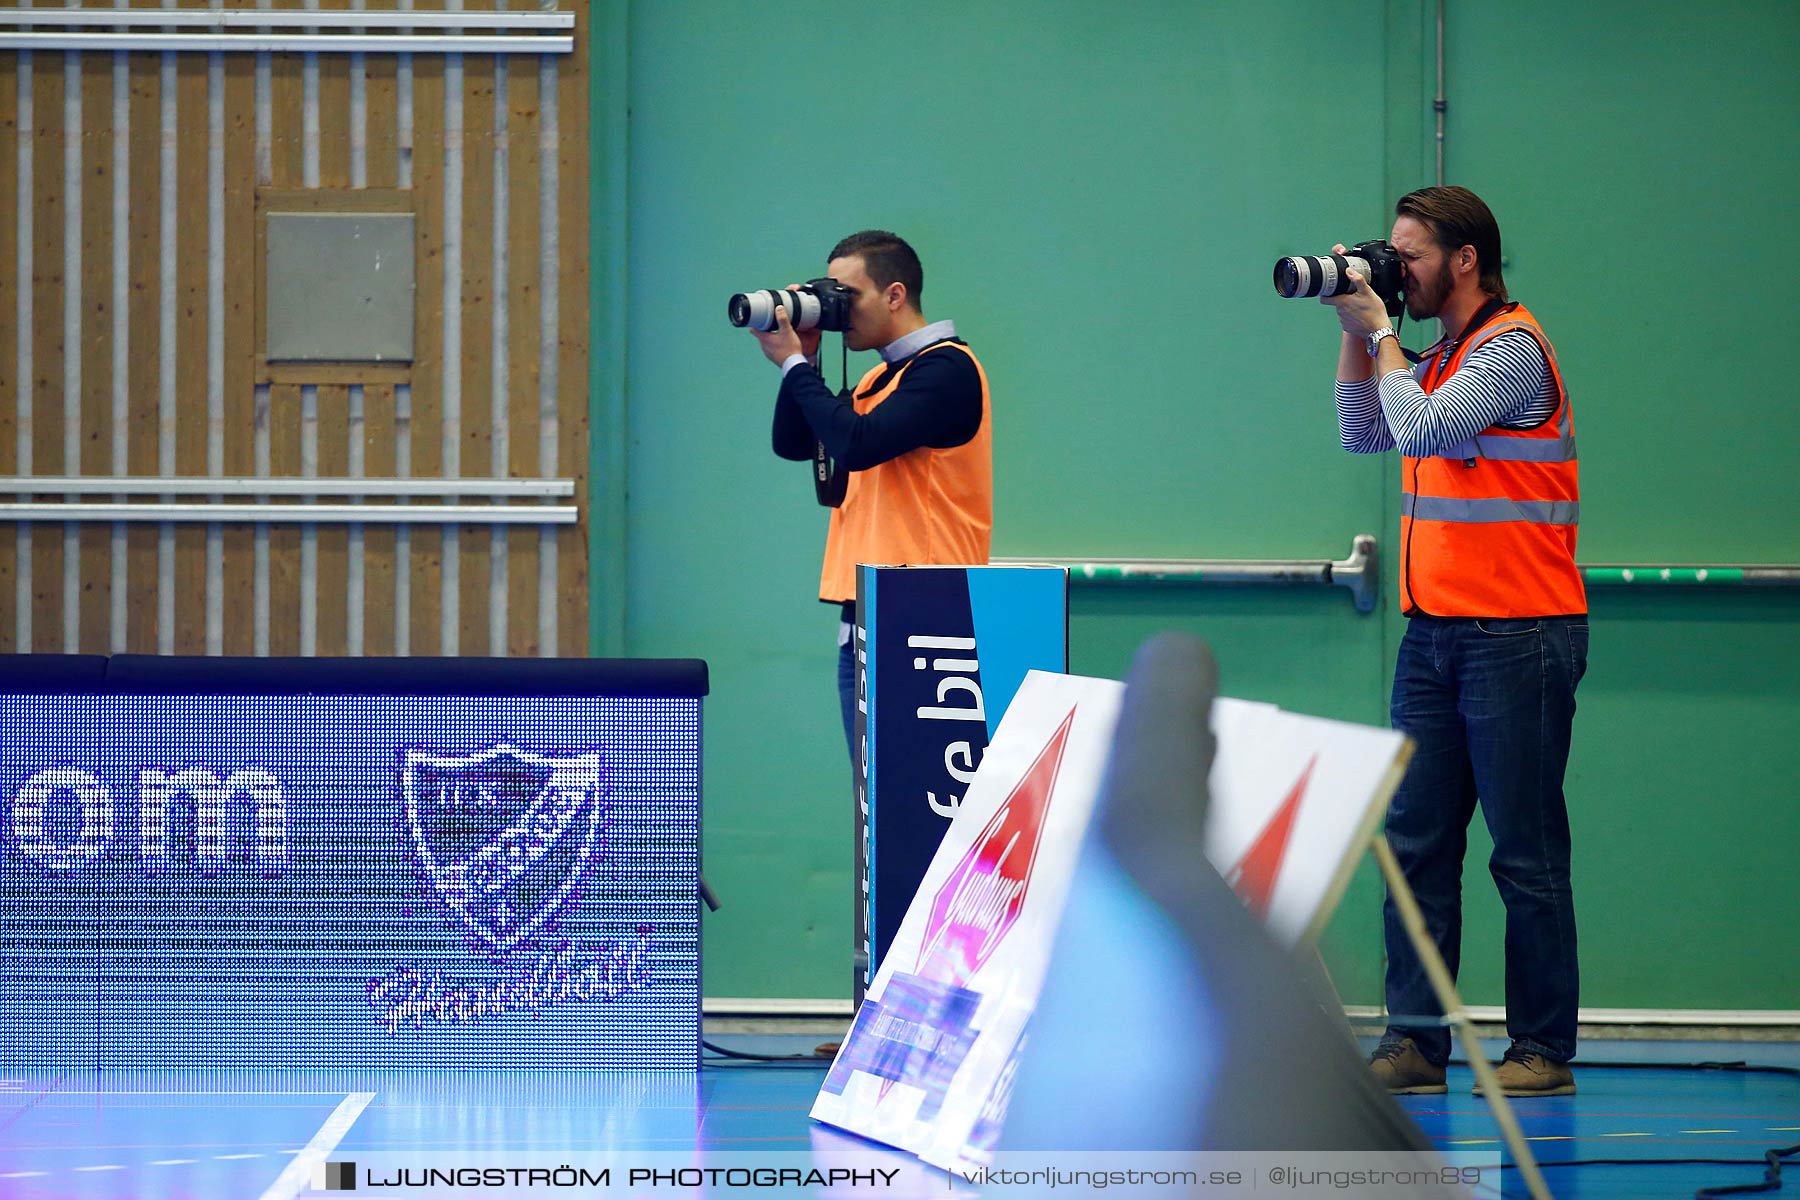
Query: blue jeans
(1490, 703)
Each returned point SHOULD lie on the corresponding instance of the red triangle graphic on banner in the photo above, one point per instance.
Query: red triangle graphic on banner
(1255, 874)
(982, 898)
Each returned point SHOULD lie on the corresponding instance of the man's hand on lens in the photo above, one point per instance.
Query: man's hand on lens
(782, 343)
(1360, 312)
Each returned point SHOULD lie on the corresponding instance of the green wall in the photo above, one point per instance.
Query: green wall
(1097, 195)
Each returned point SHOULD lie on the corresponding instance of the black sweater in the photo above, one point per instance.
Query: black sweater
(938, 404)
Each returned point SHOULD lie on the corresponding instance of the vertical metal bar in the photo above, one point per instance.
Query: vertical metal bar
(121, 336)
(72, 145)
(403, 116)
(265, 175)
(22, 253)
(354, 584)
(549, 321)
(165, 383)
(215, 337)
(451, 578)
(309, 393)
(1440, 105)
(499, 546)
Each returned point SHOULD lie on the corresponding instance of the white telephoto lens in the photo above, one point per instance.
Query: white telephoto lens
(1304, 283)
(762, 310)
(1328, 275)
(803, 310)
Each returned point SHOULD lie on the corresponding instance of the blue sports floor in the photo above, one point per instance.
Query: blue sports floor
(229, 1135)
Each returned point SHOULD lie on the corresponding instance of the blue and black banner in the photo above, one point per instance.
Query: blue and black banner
(940, 651)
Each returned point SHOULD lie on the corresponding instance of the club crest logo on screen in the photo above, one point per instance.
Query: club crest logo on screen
(505, 840)
(505, 835)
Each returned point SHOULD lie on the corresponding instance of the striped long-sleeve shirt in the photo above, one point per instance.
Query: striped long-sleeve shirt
(1505, 382)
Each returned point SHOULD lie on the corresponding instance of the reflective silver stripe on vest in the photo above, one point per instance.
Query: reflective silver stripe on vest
(1518, 449)
(1490, 511)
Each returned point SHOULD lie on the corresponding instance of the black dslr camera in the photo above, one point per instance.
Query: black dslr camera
(817, 304)
(1328, 274)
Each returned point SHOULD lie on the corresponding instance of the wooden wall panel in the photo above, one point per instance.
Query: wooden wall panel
(47, 342)
(483, 449)
(477, 337)
(381, 122)
(333, 577)
(523, 244)
(95, 458)
(381, 104)
(378, 540)
(238, 625)
(286, 159)
(331, 585)
(428, 345)
(284, 540)
(191, 253)
(9, 338)
(141, 555)
(572, 379)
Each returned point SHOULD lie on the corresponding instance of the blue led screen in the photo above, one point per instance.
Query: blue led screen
(349, 881)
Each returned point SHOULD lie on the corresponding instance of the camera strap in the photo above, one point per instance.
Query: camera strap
(829, 483)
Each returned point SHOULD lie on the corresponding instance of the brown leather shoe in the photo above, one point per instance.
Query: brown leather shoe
(1403, 1070)
(1522, 1073)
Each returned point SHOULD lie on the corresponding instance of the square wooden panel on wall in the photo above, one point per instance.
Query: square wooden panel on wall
(289, 366)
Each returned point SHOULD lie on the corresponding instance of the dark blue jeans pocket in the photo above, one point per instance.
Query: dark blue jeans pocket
(1509, 626)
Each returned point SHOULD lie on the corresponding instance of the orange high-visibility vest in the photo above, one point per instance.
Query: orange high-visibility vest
(926, 507)
(1492, 534)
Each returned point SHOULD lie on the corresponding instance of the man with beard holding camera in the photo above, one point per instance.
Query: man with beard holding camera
(1497, 635)
(914, 435)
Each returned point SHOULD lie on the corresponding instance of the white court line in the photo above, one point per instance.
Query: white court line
(229, 1157)
(299, 1173)
(24, 1175)
(172, 1162)
(164, 1092)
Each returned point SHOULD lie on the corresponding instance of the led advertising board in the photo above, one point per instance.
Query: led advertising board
(355, 881)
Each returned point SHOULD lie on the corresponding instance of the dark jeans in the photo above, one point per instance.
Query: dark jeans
(1490, 704)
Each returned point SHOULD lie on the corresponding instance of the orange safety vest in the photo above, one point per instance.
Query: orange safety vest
(926, 507)
(1487, 528)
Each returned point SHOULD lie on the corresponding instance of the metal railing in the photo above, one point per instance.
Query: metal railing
(209, 511)
(1359, 572)
(1736, 575)
(213, 29)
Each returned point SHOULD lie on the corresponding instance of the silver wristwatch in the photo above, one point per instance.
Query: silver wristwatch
(1375, 339)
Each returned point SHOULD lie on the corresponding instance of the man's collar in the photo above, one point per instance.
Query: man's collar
(910, 344)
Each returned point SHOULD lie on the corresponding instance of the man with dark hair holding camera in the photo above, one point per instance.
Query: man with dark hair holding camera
(915, 435)
(1497, 635)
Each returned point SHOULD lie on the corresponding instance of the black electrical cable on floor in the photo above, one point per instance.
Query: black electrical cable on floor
(746, 1056)
(1771, 1177)
(1772, 1158)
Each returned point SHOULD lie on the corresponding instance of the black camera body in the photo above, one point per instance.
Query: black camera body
(822, 304)
(1329, 274)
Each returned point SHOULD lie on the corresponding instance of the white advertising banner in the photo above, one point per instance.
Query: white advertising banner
(928, 1064)
(1295, 800)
